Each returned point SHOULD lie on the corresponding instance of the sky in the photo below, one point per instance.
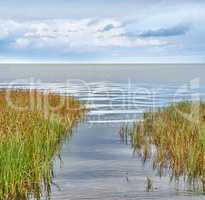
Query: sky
(102, 31)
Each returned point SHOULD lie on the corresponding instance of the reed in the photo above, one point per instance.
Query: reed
(173, 138)
(32, 129)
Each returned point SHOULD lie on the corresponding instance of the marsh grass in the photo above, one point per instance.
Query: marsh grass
(174, 143)
(31, 135)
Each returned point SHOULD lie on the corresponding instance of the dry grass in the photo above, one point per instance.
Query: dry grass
(175, 143)
(30, 138)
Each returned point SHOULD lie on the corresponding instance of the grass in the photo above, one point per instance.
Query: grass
(31, 135)
(173, 138)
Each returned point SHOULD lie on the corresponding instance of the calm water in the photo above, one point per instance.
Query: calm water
(96, 165)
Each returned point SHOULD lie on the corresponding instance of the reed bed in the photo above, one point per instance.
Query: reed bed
(173, 138)
(33, 125)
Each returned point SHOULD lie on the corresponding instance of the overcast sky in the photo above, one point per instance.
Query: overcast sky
(102, 31)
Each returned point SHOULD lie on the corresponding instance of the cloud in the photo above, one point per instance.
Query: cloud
(65, 35)
(156, 32)
(108, 27)
(166, 32)
(160, 32)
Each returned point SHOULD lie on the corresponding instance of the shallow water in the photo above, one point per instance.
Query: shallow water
(97, 166)
(95, 163)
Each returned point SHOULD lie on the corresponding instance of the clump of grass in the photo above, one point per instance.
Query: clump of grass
(32, 127)
(173, 141)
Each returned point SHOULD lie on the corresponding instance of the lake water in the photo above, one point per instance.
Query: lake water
(95, 163)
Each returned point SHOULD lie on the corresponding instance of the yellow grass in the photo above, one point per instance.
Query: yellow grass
(31, 135)
(174, 139)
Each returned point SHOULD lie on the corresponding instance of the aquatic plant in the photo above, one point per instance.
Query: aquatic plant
(173, 138)
(33, 125)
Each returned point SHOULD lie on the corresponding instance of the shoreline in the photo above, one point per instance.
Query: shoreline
(173, 140)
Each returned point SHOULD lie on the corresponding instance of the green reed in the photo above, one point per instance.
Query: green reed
(31, 138)
(174, 139)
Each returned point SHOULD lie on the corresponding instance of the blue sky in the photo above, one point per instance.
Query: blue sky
(102, 31)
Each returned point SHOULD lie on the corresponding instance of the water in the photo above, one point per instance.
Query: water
(96, 164)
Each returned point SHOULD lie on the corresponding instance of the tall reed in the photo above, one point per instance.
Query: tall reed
(174, 139)
(33, 125)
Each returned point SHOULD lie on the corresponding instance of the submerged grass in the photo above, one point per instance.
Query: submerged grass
(31, 135)
(174, 139)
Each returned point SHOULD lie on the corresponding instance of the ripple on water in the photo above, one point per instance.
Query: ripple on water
(96, 165)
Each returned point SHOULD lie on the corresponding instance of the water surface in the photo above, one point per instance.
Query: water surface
(96, 164)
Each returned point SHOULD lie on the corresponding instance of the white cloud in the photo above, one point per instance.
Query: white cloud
(163, 34)
(70, 34)
(22, 43)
